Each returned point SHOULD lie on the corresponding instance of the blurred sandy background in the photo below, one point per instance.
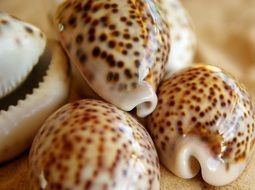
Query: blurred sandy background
(226, 38)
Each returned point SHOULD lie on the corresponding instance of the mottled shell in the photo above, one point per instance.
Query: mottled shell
(204, 119)
(120, 47)
(91, 144)
(182, 36)
(21, 45)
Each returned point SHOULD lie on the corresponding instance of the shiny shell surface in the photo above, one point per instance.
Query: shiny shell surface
(204, 119)
(90, 144)
(120, 47)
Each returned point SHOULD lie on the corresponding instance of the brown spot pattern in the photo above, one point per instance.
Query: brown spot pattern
(91, 144)
(124, 30)
(205, 102)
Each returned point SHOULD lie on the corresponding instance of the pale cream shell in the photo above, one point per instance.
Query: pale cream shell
(182, 36)
(21, 45)
(19, 123)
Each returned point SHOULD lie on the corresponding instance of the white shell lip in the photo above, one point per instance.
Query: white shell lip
(143, 98)
(19, 123)
(191, 155)
(21, 45)
(182, 36)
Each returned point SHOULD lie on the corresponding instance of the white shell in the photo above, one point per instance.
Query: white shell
(19, 123)
(182, 36)
(21, 45)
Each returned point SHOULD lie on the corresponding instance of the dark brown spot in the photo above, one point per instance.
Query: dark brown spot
(115, 10)
(124, 52)
(29, 30)
(103, 37)
(129, 45)
(107, 6)
(123, 19)
(103, 55)
(135, 39)
(112, 27)
(136, 53)
(179, 123)
(79, 39)
(129, 23)
(128, 73)
(137, 63)
(88, 184)
(116, 77)
(110, 76)
(116, 33)
(111, 44)
(120, 64)
(95, 23)
(82, 57)
(96, 51)
(110, 60)
(87, 6)
(91, 38)
(4, 22)
(72, 21)
(126, 36)
(161, 130)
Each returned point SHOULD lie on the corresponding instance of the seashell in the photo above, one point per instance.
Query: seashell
(21, 45)
(204, 119)
(22, 113)
(120, 47)
(182, 36)
(45, 83)
(90, 144)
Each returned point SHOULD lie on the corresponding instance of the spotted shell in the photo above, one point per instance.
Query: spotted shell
(90, 144)
(120, 47)
(21, 45)
(182, 36)
(204, 119)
